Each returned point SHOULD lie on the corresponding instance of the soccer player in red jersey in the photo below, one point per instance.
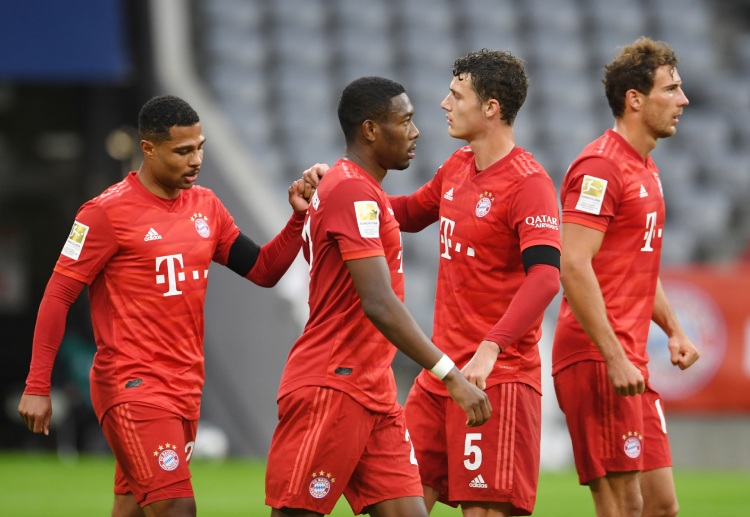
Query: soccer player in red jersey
(613, 219)
(341, 429)
(143, 247)
(498, 271)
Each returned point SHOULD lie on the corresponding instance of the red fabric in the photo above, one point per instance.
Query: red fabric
(328, 444)
(153, 449)
(349, 218)
(146, 261)
(631, 213)
(486, 220)
(610, 433)
(278, 254)
(410, 214)
(533, 296)
(498, 461)
(59, 295)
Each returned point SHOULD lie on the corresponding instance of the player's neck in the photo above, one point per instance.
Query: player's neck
(492, 147)
(636, 135)
(366, 163)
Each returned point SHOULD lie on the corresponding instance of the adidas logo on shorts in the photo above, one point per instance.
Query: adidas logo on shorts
(478, 482)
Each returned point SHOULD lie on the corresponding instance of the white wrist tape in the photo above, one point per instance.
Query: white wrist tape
(442, 367)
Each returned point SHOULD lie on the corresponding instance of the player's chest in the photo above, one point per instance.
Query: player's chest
(186, 236)
(474, 209)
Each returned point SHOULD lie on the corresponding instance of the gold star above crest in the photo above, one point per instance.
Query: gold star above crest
(198, 215)
(161, 448)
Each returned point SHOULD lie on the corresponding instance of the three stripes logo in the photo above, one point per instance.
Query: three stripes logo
(478, 482)
(152, 235)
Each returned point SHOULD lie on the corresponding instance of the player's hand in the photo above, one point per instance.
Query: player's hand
(625, 377)
(480, 366)
(314, 174)
(299, 196)
(682, 351)
(470, 398)
(36, 411)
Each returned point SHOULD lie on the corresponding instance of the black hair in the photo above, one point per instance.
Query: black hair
(161, 113)
(366, 98)
(496, 74)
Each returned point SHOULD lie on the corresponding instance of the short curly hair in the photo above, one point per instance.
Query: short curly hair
(496, 74)
(366, 98)
(634, 67)
(161, 113)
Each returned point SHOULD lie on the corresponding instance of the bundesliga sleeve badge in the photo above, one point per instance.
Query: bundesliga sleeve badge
(368, 218)
(592, 195)
(76, 238)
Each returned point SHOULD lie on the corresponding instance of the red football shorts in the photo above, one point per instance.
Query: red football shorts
(152, 447)
(610, 433)
(498, 461)
(327, 444)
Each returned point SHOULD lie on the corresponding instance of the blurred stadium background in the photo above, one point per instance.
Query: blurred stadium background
(265, 76)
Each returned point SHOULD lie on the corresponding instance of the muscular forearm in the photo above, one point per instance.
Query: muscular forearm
(663, 314)
(393, 320)
(584, 295)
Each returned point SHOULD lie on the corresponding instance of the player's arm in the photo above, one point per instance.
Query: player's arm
(682, 351)
(579, 246)
(542, 283)
(411, 215)
(265, 265)
(372, 279)
(35, 407)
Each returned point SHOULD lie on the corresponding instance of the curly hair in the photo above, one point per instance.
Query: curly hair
(161, 113)
(366, 98)
(634, 67)
(496, 74)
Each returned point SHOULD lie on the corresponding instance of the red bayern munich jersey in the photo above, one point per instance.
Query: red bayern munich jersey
(610, 188)
(486, 220)
(146, 261)
(349, 218)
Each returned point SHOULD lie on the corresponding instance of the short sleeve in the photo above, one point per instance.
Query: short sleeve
(534, 213)
(90, 245)
(354, 215)
(228, 232)
(591, 193)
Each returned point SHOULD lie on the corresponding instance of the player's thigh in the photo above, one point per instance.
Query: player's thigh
(387, 470)
(152, 447)
(497, 462)
(656, 453)
(606, 430)
(411, 506)
(658, 491)
(316, 446)
(617, 495)
(425, 419)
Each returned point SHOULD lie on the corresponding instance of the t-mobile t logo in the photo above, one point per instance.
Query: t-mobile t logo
(446, 233)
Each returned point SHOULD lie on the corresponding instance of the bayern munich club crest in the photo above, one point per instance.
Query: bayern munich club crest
(484, 204)
(168, 458)
(320, 486)
(632, 445)
(201, 225)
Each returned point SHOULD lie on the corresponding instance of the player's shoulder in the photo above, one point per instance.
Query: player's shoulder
(525, 165)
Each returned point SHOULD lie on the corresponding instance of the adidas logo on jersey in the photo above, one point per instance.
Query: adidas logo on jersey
(152, 235)
(449, 195)
(478, 482)
(643, 193)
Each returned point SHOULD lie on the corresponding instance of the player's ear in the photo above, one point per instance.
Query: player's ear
(147, 147)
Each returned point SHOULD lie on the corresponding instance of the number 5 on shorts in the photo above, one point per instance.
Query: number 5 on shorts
(472, 450)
